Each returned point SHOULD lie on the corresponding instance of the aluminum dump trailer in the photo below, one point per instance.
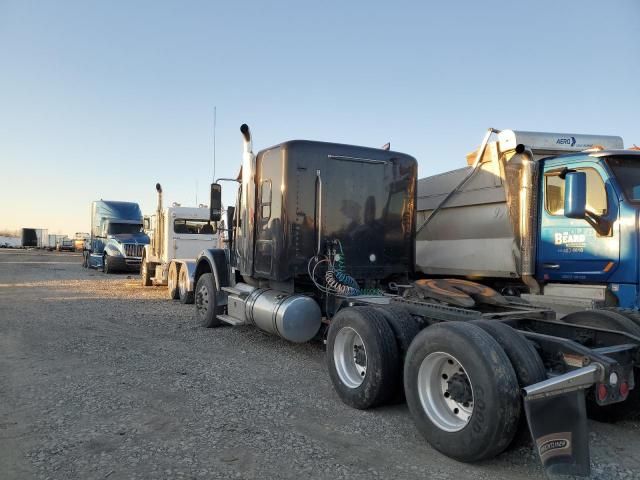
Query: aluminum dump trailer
(502, 217)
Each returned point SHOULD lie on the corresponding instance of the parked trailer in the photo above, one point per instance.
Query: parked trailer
(35, 237)
(53, 240)
(554, 215)
(321, 246)
(177, 235)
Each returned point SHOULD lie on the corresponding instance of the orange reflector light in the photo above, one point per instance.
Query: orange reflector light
(624, 389)
(602, 392)
(608, 267)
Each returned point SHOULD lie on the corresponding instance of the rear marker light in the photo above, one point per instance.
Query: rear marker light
(602, 392)
(624, 389)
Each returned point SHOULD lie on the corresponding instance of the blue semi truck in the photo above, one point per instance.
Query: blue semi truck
(117, 241)
(552, 217)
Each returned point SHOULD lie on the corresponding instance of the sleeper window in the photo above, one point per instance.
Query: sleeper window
(265, 199)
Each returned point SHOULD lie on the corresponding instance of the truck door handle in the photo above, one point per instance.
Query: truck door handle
(551, 266)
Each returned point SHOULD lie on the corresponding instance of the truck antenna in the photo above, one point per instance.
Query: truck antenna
(214, 143)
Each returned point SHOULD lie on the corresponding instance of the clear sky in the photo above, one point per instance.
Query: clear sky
(104, 99)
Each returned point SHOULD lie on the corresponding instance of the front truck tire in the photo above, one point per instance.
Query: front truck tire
(207, 309)
(172, 282)
(462, 391)
(106, 265)
(363, 358)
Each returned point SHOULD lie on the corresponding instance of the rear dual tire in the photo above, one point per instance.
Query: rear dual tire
(172, 283)
(184, 294)
(525, 361)
(363, 357)
(462, 391)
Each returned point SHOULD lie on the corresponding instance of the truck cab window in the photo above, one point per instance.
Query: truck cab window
(554, 193)
(627, 172)
(192, 227)
(124, 228)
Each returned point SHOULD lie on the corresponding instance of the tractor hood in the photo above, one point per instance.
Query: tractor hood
(137, 238)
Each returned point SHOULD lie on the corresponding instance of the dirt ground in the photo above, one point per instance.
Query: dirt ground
(103, 378)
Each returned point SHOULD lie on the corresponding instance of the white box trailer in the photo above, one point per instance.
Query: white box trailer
(53, 240)
(35, 237)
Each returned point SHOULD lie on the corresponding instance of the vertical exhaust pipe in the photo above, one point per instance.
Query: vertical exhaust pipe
(528, 218)
(159, 223)
(246, 137)
(159, 190)
(244, 236)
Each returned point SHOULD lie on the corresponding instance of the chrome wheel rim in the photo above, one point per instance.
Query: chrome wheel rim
(202, 300)
(446, 392)
(350, 357)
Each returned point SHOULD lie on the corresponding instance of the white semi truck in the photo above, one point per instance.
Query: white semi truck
(178, 234)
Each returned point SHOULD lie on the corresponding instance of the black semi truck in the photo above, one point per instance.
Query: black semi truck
(321, 246)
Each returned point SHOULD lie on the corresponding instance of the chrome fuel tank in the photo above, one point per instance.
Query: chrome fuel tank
(295, 318)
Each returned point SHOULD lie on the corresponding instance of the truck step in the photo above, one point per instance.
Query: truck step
(230, 320)
(233, 291)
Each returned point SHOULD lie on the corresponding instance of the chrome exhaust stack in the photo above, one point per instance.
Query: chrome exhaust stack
(246, 136)
(159, 222)
(244, 235)
(159, 190)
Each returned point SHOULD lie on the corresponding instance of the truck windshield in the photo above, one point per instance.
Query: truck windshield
(120, 228)
(197, 227)
(627, 172)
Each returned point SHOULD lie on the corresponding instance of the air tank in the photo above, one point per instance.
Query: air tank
(296, 318)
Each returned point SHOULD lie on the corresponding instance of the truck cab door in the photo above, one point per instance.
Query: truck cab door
(571, 250)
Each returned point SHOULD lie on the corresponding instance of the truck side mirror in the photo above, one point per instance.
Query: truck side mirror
(215, 208)
(575, 195)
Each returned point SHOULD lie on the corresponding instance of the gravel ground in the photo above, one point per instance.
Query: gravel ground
(102, 378)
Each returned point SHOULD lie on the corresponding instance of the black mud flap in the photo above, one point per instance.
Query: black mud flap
(558, 425)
